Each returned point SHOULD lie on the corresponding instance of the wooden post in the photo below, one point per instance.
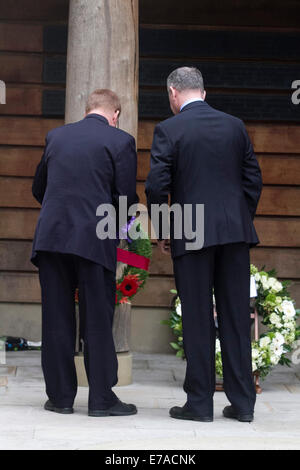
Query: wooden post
(103, 53)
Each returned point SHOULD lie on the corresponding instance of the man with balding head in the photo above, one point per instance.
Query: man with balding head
(204, 157)
(85, 164)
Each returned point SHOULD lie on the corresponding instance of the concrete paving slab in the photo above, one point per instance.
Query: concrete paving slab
(154, 389)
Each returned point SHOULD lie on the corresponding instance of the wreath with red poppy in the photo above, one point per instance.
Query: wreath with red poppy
(134, 259)
(133, 278)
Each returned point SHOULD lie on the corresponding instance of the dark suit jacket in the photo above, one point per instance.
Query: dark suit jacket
(204, 156)
(85, 164)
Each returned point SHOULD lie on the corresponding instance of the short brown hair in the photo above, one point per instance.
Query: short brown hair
(103, 98)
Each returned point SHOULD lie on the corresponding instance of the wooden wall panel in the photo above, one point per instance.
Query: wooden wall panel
(269, 13)
(19, 161)
(22, 100)
(275, 200)
(278, 232)
(266, 138)
(32, 59)
(18, 224)
(16, 192)
(15, 255)
(25, 130)
(276, 169)
(21, 37)
(21, 68)
(33, 10)
(286, 261)
(25, 288)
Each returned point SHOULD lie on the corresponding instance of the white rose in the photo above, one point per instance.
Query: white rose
(271, 282)
(254, 366)
(278, 339)
(277, 286)
(289, 324)
(288, 309)
(276, 349)
(274, 318)
(178, 309)
(255, 353)
(274, 359)
(264, 341)
(257, 277)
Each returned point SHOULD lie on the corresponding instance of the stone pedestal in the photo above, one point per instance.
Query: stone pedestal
(124, 371)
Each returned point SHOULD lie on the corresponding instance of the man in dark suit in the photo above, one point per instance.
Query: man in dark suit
(85, 164)
(204, 156)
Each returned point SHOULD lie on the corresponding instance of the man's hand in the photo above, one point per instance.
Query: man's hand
(164, 246)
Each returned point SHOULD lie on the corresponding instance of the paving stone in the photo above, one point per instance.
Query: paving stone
(3, 381)
(28, 426)
(8, 370)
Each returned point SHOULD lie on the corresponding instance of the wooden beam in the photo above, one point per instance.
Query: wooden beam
(21, 37)
(18, 224)
(213, 12)
(276, 169)
(31, 10)
(26, 100)
(109, 30)
(16, 192)
(280, 232)
(280, 169)
(286, 261)
(25, 130)
(19, 161)
(21, 68)
(15, 256)
(279, 200)
(25, 288)
(275, 200)
(266, 138)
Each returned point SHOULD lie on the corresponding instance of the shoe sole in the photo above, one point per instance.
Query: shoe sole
(103, 414)
(208, 420)
(59, 410)
(241, 419)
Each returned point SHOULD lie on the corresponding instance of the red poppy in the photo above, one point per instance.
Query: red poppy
(129, 285)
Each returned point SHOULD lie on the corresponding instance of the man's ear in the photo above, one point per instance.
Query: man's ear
(172, 91)
(204, 94)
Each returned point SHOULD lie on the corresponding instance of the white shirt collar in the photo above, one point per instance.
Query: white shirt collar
(190, 101)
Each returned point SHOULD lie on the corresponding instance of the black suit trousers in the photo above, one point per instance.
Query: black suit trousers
(226, 269)
(60, 274)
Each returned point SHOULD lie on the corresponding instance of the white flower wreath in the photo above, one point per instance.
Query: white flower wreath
(275, 306)
(278, 313)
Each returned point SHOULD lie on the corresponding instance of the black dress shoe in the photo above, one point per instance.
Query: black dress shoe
(178, 412)
(229, 412)
(118, 409)
(63, 411)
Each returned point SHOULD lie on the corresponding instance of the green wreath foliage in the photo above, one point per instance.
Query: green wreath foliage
(132, 276)
(278, 314)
